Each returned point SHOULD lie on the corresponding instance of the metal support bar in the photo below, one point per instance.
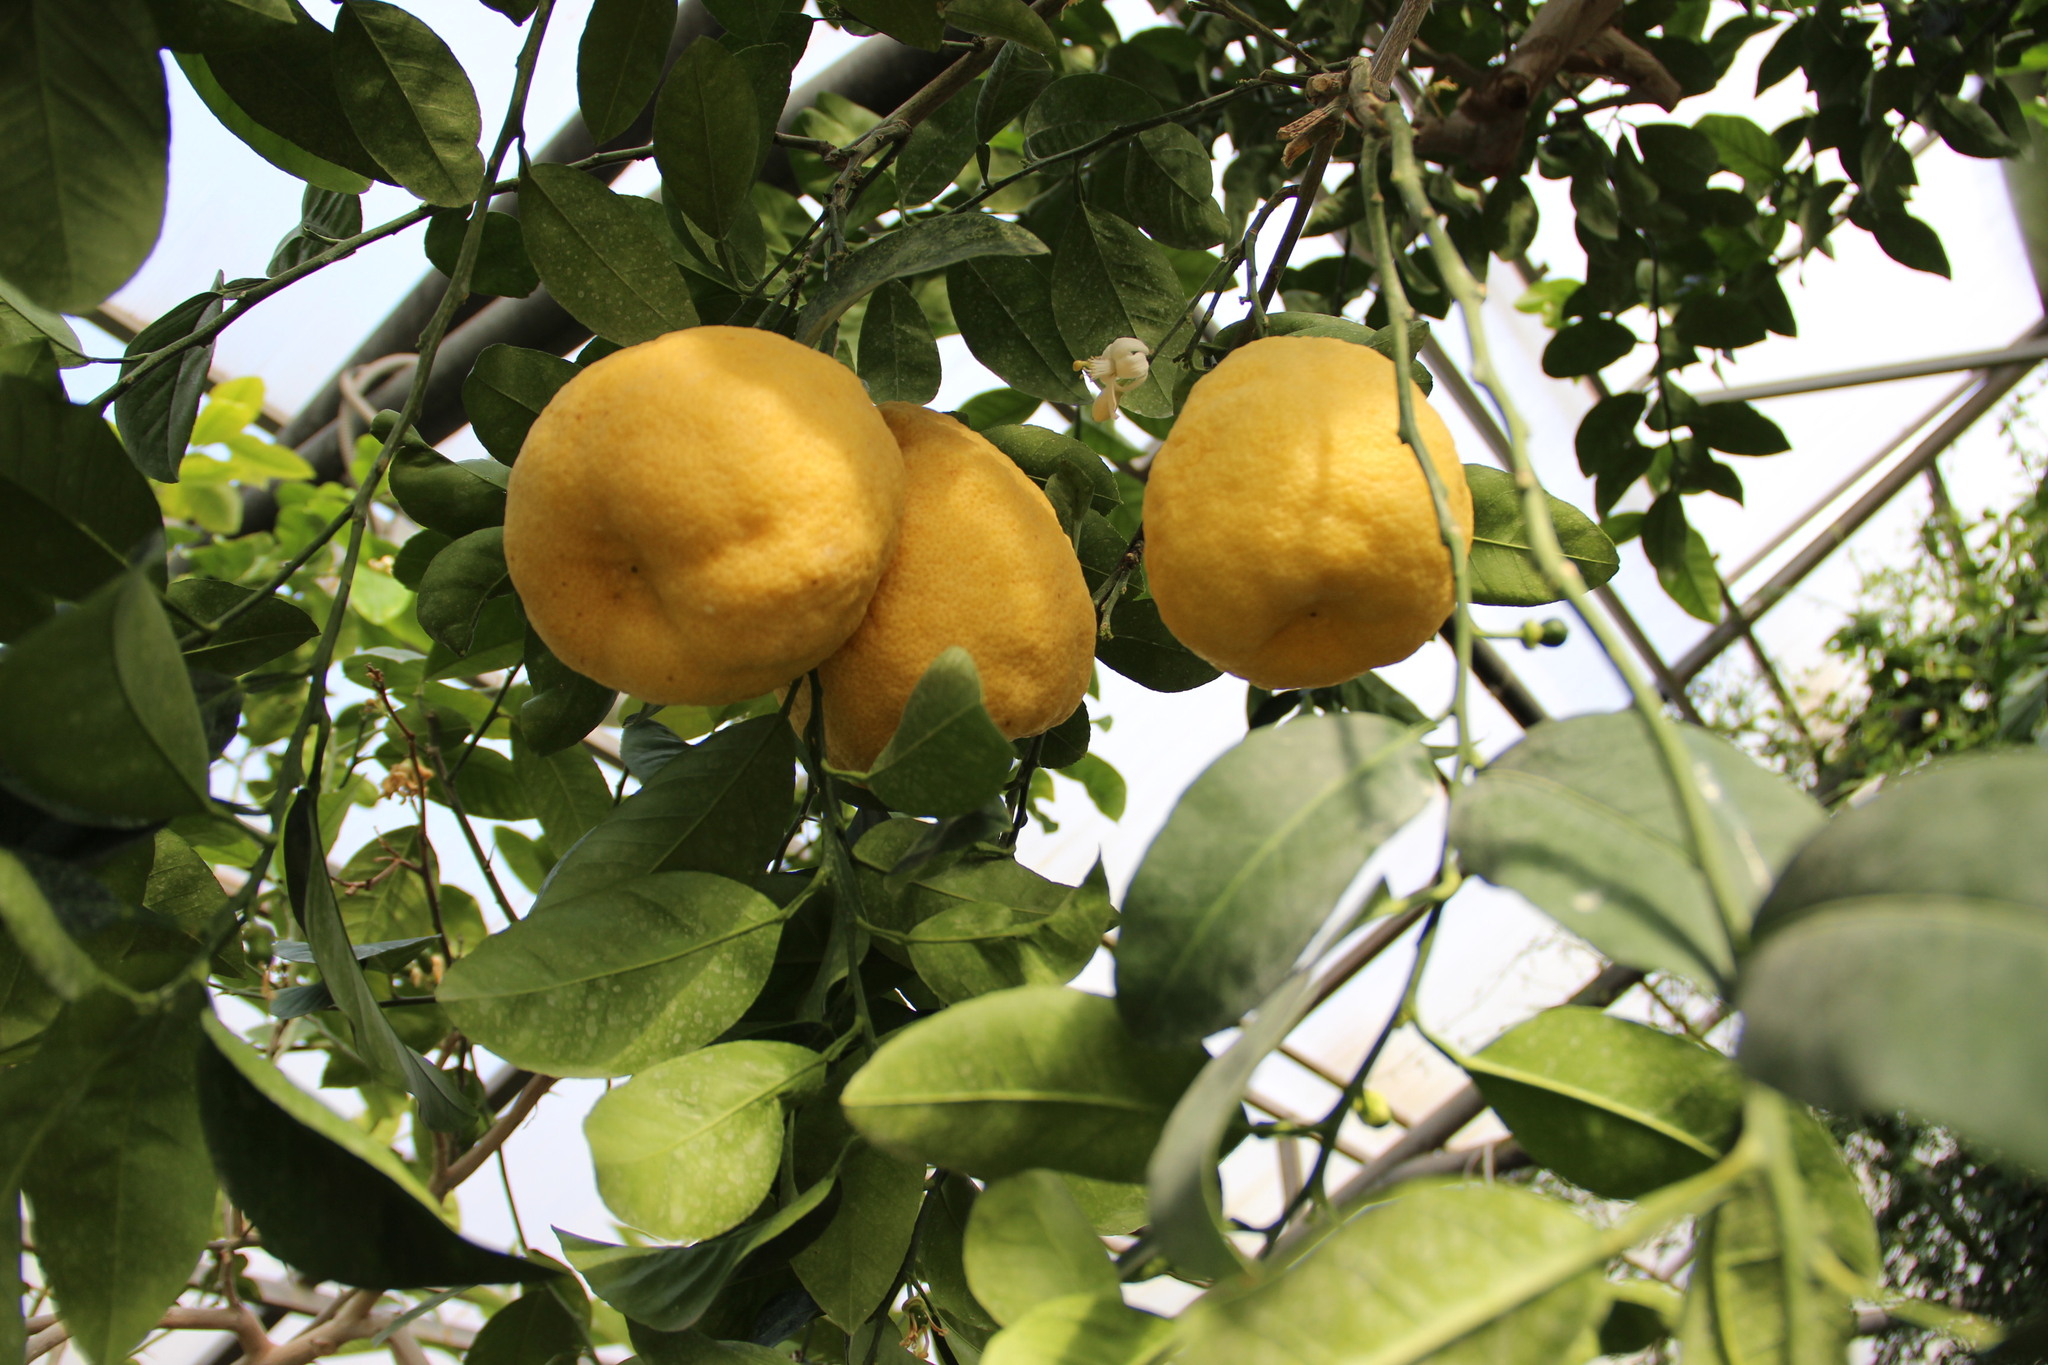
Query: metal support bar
(1995, 386)
(2033, 347)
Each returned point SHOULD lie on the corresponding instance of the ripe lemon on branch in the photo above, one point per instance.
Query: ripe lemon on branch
(982, 563)
(1290, 536)
(703, 517)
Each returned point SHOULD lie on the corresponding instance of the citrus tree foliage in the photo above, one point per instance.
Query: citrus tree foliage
(857, 1112)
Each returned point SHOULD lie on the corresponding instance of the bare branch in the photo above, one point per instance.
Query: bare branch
(464, 1166)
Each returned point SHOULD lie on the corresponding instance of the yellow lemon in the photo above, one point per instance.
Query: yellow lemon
(1290, 537)
(983, 564)
(703, 517)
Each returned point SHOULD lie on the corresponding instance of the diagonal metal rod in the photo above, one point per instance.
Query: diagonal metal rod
(2032, 345)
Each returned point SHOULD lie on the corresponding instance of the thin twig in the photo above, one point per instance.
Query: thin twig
(464, 1166)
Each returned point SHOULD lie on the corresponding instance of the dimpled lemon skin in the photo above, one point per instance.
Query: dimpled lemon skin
(703, 517)
(982, 563)
(1290, 537)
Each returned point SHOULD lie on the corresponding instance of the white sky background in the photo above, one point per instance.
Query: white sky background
(1496, 960)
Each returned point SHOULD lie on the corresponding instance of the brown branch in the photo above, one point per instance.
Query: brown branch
(464, 1166)
(1613, 56)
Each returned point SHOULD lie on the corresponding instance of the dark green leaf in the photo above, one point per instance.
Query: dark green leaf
(97, 716)
(458, 584)
(1075, 110)
(1252, 861)
(330, 1202)
(1169, 189)
(1036, 1076)
(1907, 933)
(1968, 128)
(1613, 1106)
(261, 633)
(86, 121)
(1027, 1242)
(197, 25)
(1606, 434)
(1744, 148)
(1586, 348)
(1682, 558)
(707, 138)
(454, 498)
(935, 151)
(287, 156)
(156, 415)
(408, 100)
(1011, 19)
(533, 1329)
(1910, 242)
(1721, 321)
(73, 507)
(505, 391)
(1109, 280)
(913, 22)
(569, 795)
(721, 806)
(1016, 79)
(1511, 218)
(1146, 652)
(853, 1265)
(618, 63)
(1739, 429)
(1004, 309)
(925, 246)
(1580, 818)
(1678, 158)
(24, 324)
(600, 257)
(565, 705)
(1042, 454)
(286, 86)
(899, 359)
(1504, 568)
(946, 757)
(502, 266)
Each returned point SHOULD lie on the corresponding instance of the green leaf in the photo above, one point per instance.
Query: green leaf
(97, 716)
(1434, 1275)
(1036, 1076)
(1720, 321)
(707, 137)
(287, 156)
(937, 1259)
(156, 415)
(1076, 110)
(408, 100)
(454, 498)
(1505, 572)
(1580, 818)
(73, 508)
(1041, 453)
(1586, 347)
(600, 257)
(1016, 79)
(330, 1202)
(922, 247)
(853, 1265)
(1027, 1242)
(720, 806)
(915, 23)
(194, 25)
(616, 980)
(286, 85)
(502, 266)
(935, 151)
(1906, 934)
(1146, 652)
(1738, 429)
(1910, 242)
(565, 707)
(1004, 310)
(22, 321)
(975, 947)
(1252, 861)
(1011, 19)
(1683, 559)
(441, 1105)
(618, 63)
(533, 1329)
(1616, 1107)
(505, 391)
(456, 586)
(1109, 280)
(687, 1149)
(1379, 339)
(1170, 191)
(1968, 129)
(1744, 148)
(946, 757)
(899, 359)
(271, 628)
(120, 1187)
(1081, 1329)
(86, 121)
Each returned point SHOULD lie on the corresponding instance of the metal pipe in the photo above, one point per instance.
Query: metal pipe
(2032, 346)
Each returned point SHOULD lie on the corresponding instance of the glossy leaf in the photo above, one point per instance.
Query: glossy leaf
(922, 247)
(1109, 280)
(946, 757)
(1041, 454)
(1004, 309)
(408, 100)
(1145, 651)
(618, 62)
(286, 86)
(197, 24)
(287, 156)
(611, 982)
(1251, 862)
(936, 149)
(533, 1329)
(453, 497)
(463, 578)
(1616, 1107)
(1081, 1329)
(975, 947)
(1016, 79)
(156, 415)
(1027, 1242)
(97, 716)
(505, 391)
(22, 321)
(271, 628)
(1505, 572)
(707, 137)
(1078, 109)
(899, 359)
(73, 508)
(1036, 1076)
(600, 257)
(721, 806)
(1420, 1277)
(330, 1202)
(687, 1149)
(565, 707)
(853, 1265)
(1580, 817)
(915, 23)
(502, 266)
(937, 1259)
(1903, 936)
(84, 114)
(1010, 19)
(1170, 191)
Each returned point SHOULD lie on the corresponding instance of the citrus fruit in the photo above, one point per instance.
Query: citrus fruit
(982, 563)
(703, 517)
(1290, 537)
